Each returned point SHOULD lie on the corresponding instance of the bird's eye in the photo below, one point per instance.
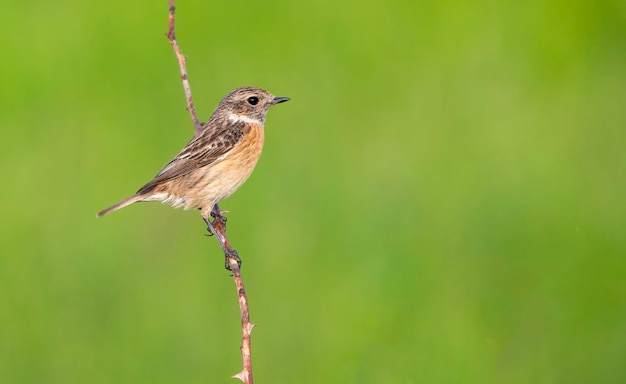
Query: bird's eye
(253, 100)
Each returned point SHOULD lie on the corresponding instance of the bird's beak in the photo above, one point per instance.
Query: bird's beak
(278, 100)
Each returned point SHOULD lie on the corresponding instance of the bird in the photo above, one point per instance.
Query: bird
(217, 160)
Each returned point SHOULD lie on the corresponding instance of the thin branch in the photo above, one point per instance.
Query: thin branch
(182, 60)
(233, 263)
(218, 226)
(246, 327)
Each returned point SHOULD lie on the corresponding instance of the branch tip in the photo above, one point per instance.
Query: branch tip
(171, 36)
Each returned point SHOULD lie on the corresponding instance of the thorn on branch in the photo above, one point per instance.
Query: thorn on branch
(239, 376)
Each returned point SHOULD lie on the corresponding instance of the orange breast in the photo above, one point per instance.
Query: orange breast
(206, 186)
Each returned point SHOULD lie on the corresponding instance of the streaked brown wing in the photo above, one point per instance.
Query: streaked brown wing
(202, 150)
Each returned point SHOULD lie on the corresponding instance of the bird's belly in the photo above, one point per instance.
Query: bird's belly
(206, 186)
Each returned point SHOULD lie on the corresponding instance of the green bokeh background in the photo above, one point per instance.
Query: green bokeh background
(442, 201)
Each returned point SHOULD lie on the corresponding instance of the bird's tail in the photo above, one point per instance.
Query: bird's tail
(121, 204)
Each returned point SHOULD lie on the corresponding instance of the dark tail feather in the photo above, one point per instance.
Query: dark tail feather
(121, 204)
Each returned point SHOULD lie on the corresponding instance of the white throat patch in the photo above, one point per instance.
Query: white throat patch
(235, 118)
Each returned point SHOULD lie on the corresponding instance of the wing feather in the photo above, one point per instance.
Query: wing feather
(204, 149)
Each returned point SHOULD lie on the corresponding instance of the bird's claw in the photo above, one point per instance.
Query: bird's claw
(231, 255)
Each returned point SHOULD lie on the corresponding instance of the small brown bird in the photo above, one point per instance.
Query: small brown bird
(217, 160)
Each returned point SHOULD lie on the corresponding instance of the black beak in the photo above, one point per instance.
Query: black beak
(278, 100)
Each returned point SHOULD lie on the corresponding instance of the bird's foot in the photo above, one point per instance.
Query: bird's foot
(231, 254)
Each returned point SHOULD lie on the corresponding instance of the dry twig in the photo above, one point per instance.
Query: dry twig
(233, 263)
(182, 60)
(218, 226)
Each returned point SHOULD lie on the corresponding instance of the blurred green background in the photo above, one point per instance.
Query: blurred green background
(442, 201)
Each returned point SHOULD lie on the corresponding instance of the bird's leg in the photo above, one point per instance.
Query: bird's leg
(217, 228)
(216, 212)
(208, 223)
